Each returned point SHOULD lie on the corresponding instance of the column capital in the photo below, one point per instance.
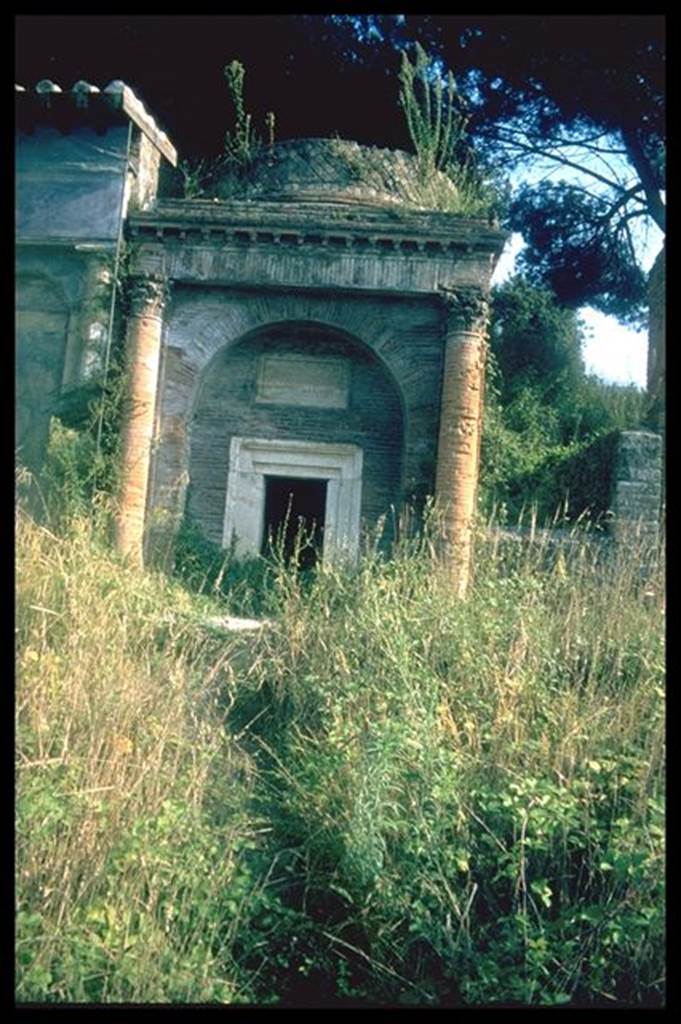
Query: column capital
(148, 295)
(466, 309)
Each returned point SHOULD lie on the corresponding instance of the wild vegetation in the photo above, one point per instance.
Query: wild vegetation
(226, 175)
(450, 176)
(548, 426)
(384, 796)
(447, 176)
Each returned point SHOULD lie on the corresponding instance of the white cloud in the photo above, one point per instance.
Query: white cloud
(613, 352)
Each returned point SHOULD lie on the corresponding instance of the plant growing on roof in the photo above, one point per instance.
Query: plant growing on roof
(224, 175)
(435, 138)
(242, 145)
(437, 124)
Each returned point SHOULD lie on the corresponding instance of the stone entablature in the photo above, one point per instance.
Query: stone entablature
(263, 244)
(415, 230)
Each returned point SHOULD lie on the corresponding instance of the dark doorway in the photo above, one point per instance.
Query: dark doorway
(294, 508)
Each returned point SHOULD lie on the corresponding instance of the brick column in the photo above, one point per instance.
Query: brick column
(460, 428)
(143, 352)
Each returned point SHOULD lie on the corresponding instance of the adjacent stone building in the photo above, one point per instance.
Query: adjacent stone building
(85, 159)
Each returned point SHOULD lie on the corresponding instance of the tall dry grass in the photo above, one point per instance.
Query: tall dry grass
(132, 801)
(474, 789)
(388, 795)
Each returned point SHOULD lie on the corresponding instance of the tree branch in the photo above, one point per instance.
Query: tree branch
(583, 143)
(564, 161)
(644, 170)
(623, 200)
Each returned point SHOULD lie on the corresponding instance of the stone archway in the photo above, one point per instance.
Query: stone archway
(298, 400)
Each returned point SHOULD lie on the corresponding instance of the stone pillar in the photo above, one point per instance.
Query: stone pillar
(458, 453)
(636, 489)
(143, 352)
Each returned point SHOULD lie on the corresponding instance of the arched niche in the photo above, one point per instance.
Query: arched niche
(298, 399)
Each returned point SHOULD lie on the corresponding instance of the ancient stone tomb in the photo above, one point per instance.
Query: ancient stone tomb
(311, 345)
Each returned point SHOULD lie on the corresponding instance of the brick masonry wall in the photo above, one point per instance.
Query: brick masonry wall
(213, 339)
(227, 408)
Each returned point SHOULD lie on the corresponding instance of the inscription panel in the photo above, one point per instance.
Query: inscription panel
(304, 381)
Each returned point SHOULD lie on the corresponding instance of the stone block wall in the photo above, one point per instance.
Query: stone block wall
(637, 484)
(70, 187)
(42, 317)
(63, 300)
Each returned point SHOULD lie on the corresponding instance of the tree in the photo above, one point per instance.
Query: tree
(536, 347)
(534, 341)
(542, 413)
(580, 96)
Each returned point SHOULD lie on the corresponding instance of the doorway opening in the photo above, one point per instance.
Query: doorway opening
(295, 510)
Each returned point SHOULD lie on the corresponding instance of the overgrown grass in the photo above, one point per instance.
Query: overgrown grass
(134, 829)
(388, 796)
